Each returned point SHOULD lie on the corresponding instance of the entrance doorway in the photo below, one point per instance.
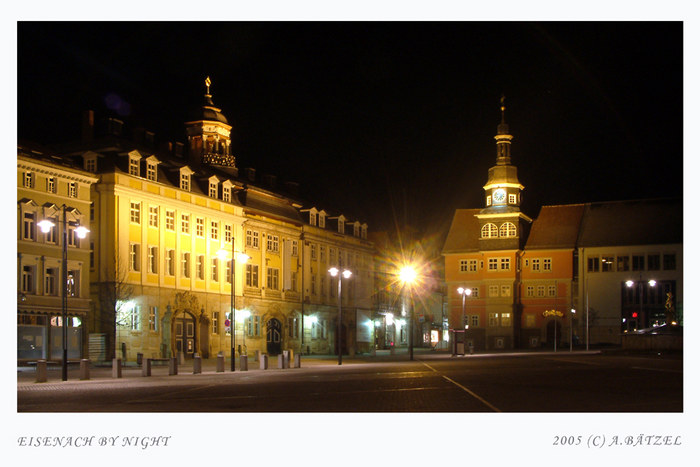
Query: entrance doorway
(274, 337)
(185, 335)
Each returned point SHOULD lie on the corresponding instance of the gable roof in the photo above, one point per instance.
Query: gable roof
(464, 232)
(556, 227)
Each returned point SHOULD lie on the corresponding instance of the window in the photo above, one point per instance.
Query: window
(251, 275)
(185, 223)
(170, 220)
(134, 166)
(312, 218)
(215, 322)
(135, 213)
(493, 264)
(72, 283)
(153, 259)
(593, 264)
(505, 291)
(170, 262)
(540, 290)
(252, 239)
(214, 230)
(153, 216)
(313, 251)
(72, 190)
(341, 226)
(28, 180)
(489, 231)
(669, 261)
(199, 227)
(608, 263)
(530, 291)
(185, 262)
(505, 319)
(73, 239)
(256, 325)
(638, 263)
(512, 198)
(472, 265)
(134, 257)
(151, 171)
(488, 200)
(213, 191)
(493, 291)
(322, 250)
(51, 184)
(200, 267)
(475, 293)
(530, 321)
(273, 278)
(50, 236)
(295, 248)
(28, 279)
(29, 228)
(463, 265)
(90, 166)
(313, 284)
(356, 230)
(228, 236)
(508, 230)
(215, 269)
(547, 264)
(623, 263)
(184, 181)
(505, 264)
(226, 195)
(50, 281)
(134, 318)
(322, 220)
(273, 243)
(653, 262)
(552, 290)
(153, 318)
(493, 319)
(475, 321)
(228, 271)
(536, 265)
(292, 325)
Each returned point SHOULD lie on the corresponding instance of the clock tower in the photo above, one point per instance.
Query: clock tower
(502, 224)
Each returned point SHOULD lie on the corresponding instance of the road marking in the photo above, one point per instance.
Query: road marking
(466, 389)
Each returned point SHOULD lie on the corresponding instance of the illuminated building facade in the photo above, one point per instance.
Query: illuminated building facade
(51, 189)
(167, 221)
(612, 263)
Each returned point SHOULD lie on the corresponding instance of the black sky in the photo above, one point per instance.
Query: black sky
(387, 120)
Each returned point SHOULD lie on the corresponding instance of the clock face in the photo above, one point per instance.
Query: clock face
(499, 195)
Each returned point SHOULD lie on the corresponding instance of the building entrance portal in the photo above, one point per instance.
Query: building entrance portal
(274, 337)
(185, 335)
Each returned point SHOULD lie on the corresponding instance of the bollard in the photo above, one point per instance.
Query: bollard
(297, 361)
(146, 367)
(172, 366)
(41, 371)
(197, 366)
(116, 368)
(244, 362)
(84, 369)
(257, 355)
(263, 362)
(280, 361)
(220, 362)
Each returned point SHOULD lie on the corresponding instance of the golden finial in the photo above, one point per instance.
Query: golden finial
(503, 108)
(207, 83)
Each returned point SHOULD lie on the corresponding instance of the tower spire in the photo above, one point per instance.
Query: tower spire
(503, 137)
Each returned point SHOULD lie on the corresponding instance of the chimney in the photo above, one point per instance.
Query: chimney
(88, 130)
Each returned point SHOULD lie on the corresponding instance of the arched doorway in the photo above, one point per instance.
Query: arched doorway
(184, 334)
(553, 332)
(274, 337)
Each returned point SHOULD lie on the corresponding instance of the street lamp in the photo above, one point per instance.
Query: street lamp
(81, 232)
(464, 293)
(630, 284)
(408, 275)
(346, 273)
(242, 257)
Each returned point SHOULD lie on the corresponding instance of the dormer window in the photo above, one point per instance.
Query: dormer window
(134, 166)
(152, 168)
(341, 225)
(90, 163)
(356, 229)
(185, 178)
(312, 218)
(213, 190)
(227, 188)
(322, 219)
(363, 231)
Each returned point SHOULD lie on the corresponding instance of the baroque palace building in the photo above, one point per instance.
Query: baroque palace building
(165, 224)
(580, 273)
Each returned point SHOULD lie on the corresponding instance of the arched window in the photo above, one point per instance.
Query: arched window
(489, 231)
(508, 230)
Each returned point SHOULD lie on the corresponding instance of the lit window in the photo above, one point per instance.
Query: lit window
(489, 231)
(152, 171)
(170, 220)
(536, 264)
(505, 291)
(252, 239)
(493, 291)
(134, 166)
(185, 181)
(488, 200)
(153, 216)
(185, 223)
(463, 265)
(512, 198)
(608, 263)
(505, 319)
(199, 227)
(508, 230)
(273, 243)
(29, 227)
(135, 214)
(505, 264)
(228, 236)
(51, 185)
(493, 319)
(153, 318)
(214, 230)
(72, 190)
(28, 180)
(547, 264)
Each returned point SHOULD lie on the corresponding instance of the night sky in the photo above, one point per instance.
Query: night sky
(388, 122)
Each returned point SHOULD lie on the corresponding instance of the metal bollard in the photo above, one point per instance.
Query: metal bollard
(263, 362)
(84, 369)
(146, 367)
(41, 371)
(244, 362)
(172, 366)
(280, 361)
(197, 366)
(220, 362)
(116, 368)
(297, 361)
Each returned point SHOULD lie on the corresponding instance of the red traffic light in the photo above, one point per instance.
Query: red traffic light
(634, 315)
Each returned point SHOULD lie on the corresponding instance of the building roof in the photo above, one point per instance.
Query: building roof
(556, 227)
(464, 232)
(636, 222)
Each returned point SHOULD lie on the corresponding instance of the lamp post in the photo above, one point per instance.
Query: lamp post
(408, 275)
(464, 293)
(243, 258)
(630, 284)
(571, 329)
(346, 273)
(81, 232)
